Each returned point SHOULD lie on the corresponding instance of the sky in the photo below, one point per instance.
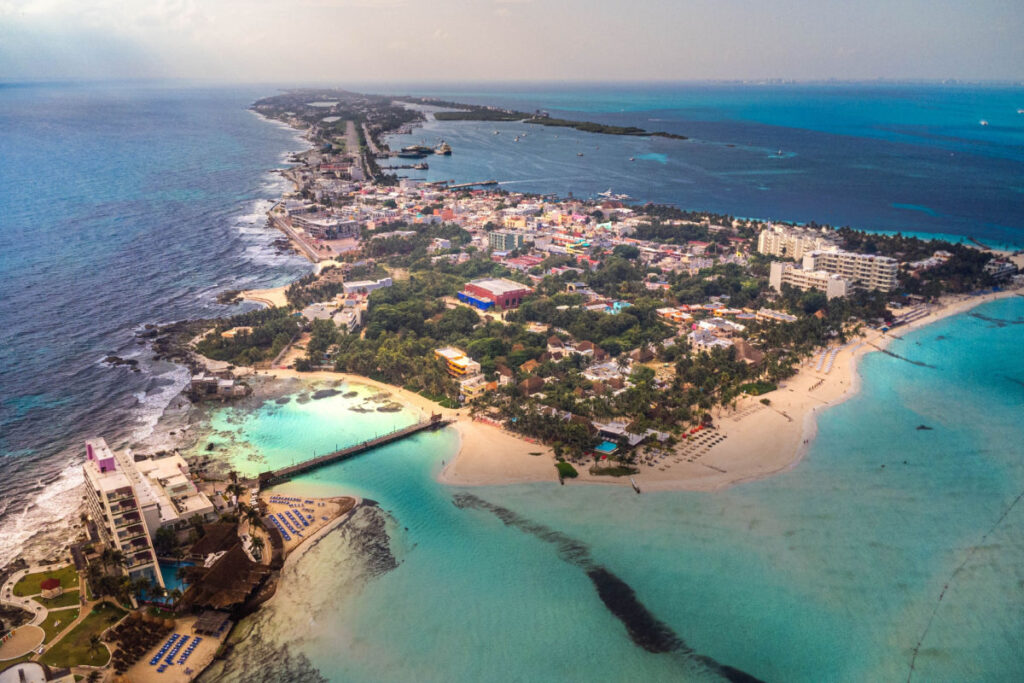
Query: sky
(351, 41)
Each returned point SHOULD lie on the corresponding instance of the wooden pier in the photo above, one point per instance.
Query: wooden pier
(285, 473)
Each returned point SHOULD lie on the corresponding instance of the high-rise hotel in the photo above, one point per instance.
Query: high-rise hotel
(130, 501)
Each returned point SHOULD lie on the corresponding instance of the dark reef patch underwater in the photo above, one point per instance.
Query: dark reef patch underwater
(645, 629)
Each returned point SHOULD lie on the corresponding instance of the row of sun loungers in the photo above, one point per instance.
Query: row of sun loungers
(284, 526)
(164, 648)
(821, 360)
(171, 648)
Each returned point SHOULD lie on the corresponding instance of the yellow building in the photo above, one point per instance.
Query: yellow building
(457, 362)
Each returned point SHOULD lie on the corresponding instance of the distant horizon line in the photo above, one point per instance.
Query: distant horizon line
(753, 82)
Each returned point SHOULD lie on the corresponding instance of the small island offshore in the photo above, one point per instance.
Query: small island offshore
(581, 341)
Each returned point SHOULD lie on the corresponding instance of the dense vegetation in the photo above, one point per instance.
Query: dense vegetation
(272, 329)
(470, 112)
(477, 115)
(602, 128)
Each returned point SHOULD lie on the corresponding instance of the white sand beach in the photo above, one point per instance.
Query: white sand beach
(751, 442)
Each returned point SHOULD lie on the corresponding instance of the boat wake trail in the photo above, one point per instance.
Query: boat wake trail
(645, 629)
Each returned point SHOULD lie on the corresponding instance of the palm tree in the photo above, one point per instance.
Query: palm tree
(139, 587)
(175, 595)
(235, 489)
(95, 643)
(105, 557)
(256, 543)
(252, 516)
(117, 558)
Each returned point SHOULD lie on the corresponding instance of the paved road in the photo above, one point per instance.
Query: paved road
(8, 597)
(352, 147)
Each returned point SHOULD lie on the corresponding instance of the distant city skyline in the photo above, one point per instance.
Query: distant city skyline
(352, 41)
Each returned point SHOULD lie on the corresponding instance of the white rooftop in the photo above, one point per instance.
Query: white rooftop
(499, 285)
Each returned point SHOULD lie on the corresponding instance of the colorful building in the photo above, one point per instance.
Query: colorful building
(457, 363)
(494, 292)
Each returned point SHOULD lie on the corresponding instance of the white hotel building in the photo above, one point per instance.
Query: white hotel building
(791, 243)
(129, 501)
(866, 271)
(787, 273)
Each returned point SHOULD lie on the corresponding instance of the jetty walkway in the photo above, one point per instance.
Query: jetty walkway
(285, 473)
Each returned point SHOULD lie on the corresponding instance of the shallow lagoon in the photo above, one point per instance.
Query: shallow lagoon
(831, 571)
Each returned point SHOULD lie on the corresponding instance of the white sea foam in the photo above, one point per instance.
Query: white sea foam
(49, 515)
(153, 403)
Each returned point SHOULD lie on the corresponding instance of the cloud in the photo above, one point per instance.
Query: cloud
(336, 40)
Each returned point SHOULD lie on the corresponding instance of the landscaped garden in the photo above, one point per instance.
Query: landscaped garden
(83, 647)
(68, 599)
(56, 622)
(29, 585)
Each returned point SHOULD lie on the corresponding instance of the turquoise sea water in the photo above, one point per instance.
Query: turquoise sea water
(832, 571)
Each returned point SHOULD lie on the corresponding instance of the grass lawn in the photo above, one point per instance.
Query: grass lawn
(64, 616)
(68, 599)
(73, 649)
(29, 585)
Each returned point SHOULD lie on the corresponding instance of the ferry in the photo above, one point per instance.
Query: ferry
(444, 149)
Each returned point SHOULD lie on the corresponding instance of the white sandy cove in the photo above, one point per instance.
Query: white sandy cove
(758, 440)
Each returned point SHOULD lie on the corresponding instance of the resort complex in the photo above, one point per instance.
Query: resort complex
(565, 340)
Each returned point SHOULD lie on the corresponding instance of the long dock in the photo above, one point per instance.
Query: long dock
(285, 473)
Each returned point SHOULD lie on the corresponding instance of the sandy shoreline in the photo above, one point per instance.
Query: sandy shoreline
(757, 441)
(750, 442)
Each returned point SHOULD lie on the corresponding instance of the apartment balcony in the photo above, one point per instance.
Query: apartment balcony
(127, 518)
(139, 559)
(137, 531)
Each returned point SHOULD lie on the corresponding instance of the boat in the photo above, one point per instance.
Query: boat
(983, 122)
(516, 139)
(409, 154)
(632, 158)
(497, 132)
(579, 154)
(636, 488)
(779, 153)
(444, 149)
(1020, 111)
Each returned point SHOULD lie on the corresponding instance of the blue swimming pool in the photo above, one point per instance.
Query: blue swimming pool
(607, 447)
(169, 573)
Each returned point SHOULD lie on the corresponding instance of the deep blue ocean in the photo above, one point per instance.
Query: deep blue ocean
(119, 206)
(875, 157)
(122, 205)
